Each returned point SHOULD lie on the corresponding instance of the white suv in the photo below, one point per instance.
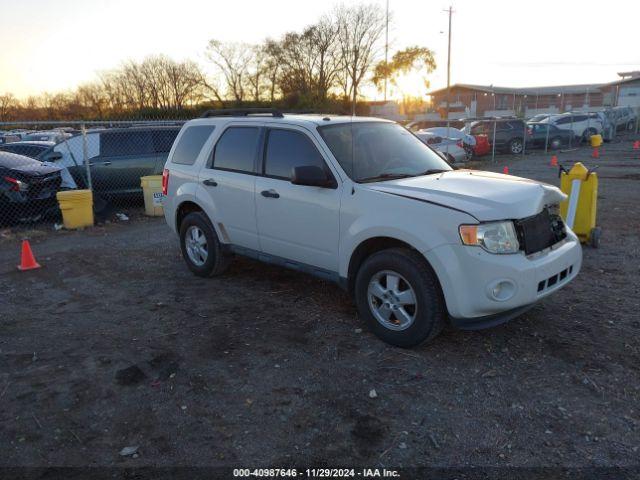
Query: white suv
(583, 124)
(364, 203)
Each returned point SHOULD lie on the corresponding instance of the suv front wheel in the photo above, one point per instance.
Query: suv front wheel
(200, 246)
(399, 297)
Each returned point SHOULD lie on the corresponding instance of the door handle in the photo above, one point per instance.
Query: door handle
(270, 193)
(106, 163)
(210, 182)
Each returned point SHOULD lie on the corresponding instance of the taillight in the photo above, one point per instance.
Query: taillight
(165, 181)
(460, 144)
(16, 185)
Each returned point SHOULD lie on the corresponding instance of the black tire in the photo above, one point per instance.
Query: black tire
(430, 311)
(630, 126)
(596, 234)
(217, 261)
(586, 136)
(516, 146)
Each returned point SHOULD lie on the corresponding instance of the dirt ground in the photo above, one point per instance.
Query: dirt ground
(114, 343)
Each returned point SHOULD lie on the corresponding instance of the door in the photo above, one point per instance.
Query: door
(296, 222)
(125, 156)
(228, 180)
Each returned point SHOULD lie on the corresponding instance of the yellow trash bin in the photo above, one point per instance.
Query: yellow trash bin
(76, 207)
(596, 140)
(152, 189)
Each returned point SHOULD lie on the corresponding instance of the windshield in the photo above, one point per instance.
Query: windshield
(372, 151)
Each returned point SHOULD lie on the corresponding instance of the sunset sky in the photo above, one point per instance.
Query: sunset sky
(54, 45)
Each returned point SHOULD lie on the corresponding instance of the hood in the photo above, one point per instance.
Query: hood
(484, 195)
(25, 165)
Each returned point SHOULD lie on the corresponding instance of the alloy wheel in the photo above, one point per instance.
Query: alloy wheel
(196, 245)
(392, 300)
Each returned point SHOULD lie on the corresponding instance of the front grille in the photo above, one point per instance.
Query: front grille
(554, 280)
(540, 231)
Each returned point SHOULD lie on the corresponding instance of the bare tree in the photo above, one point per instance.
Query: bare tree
(360, 29)
(8, 104)
(232, 61)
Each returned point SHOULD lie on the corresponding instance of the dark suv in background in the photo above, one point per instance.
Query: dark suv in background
(509, 133)
(118, 157)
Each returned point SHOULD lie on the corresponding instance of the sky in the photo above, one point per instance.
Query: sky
(54, 45)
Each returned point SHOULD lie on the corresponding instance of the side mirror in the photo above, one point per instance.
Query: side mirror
(311, 176)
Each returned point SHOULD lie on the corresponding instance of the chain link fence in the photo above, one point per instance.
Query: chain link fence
(39, 159)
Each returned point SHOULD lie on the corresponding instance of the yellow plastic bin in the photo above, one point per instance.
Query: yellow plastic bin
(152, 189)
(596, 140)
(76, 207)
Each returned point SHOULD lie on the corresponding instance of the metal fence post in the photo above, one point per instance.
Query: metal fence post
(524, 137)
(572, 133)
(85, 156)
(493, 142)
(546, 140)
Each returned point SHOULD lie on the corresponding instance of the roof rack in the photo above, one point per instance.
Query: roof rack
(242, 112)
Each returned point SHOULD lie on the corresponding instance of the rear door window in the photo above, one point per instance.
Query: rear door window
(120, 144)
(190, 144)
(287, 149)
(236, 149)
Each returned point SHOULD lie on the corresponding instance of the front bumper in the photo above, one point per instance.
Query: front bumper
(468, 274)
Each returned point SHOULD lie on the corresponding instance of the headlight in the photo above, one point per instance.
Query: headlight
(494, 237)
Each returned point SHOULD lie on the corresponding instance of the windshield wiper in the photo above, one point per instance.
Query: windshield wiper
(432, 171)
(385, 176)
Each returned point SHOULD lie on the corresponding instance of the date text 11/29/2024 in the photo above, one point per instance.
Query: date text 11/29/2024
(316, 473)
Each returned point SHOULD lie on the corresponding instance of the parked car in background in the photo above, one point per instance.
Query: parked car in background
(452, 149)
(624, 118)
(27, 188)
(583, 125)
(50, 136)
(9, 137)
(539, 117)
(118, 157)
(423, 124)
(541, 134)
(509, 133)
(28, 149)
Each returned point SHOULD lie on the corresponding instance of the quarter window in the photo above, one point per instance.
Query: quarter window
(287, 149)
(190, 144)
(236, 149)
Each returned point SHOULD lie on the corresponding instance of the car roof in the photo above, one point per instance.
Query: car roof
(10, 160)
(306, 120)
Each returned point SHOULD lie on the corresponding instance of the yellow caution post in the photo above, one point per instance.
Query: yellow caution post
(579, 210)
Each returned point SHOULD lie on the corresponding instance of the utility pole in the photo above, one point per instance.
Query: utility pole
(386, 50)
(450, 10)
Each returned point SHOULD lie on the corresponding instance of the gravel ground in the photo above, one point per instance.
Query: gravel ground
(113, 343)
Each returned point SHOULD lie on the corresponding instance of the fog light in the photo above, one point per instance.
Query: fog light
(501, 290)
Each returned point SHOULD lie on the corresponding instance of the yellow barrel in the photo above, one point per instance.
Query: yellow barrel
(76, 207)
(581, 186)
(152, 189)
(596, 140)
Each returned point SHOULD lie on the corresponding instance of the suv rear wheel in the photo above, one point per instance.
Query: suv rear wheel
(399, 297)
(200, 246)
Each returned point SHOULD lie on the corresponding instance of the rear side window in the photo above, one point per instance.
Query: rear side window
(287, 149)
(236, 149)
(190, 144)
(134, 142)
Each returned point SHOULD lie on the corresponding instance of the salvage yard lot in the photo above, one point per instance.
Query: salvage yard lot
(114, 343)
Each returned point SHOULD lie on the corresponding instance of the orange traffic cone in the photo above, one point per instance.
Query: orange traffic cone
(636, 145)
(596, 153)
(505, 170)
(554, 161)
(27, 260)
